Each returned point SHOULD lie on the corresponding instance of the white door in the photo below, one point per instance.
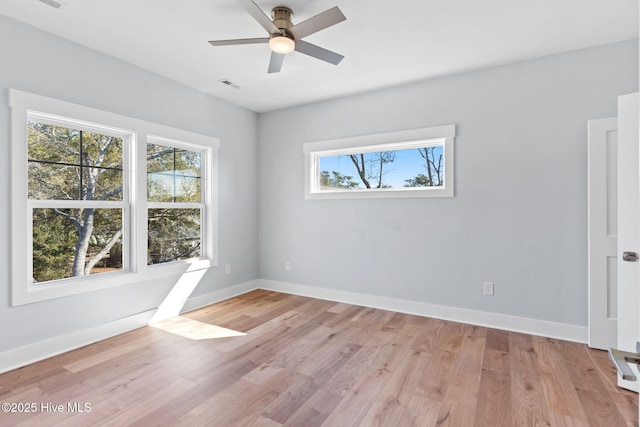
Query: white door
(603, 233)
(628, 229)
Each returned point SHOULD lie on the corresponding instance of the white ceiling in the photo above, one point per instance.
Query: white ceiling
(385, 43)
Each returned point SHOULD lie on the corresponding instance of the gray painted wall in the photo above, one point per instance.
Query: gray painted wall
(37, 62)
(519, 216)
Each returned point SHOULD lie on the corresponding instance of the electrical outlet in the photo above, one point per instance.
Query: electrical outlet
(227, 269)
(488, 288)
(287, 266)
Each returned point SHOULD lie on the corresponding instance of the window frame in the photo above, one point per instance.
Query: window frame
(123, 204)
(407, 139)
(206, 219)
(23, 290)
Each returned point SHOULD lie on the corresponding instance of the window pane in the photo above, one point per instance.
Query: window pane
(173, 175)
(67, 164)
(159, 158)
(162, 187)
(76, 242)
(159, 187)
(53, 182)
(187, 189)
(174, 234)
(101, 150)
(422, 167)
(107, 184)
(53, 143)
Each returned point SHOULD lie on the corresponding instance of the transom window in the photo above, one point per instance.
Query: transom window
(415, 163)
(392, 169)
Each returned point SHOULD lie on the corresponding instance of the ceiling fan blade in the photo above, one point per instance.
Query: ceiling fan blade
(316, 23)
(275, 64)
(239, 41)
(257, 13)
(318, 52)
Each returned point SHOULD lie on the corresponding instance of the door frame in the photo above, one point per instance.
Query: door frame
(602, 232)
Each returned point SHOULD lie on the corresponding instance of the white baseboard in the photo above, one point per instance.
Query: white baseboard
(40, 350)
(50, 347)
(544, 328)
(31, 353)
(219, 295)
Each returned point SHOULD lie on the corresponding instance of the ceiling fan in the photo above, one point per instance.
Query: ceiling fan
(284, 37)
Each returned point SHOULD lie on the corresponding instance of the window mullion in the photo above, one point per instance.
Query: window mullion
(81, 166)
(176, 205)
(67, 204)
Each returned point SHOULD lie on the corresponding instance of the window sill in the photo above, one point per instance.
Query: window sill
(382, 193)
(75, 286)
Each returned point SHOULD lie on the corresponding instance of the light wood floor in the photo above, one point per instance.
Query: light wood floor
(289, 360)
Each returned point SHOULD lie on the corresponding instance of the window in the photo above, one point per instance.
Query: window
(174, 194)
(414, 163)
(77, 200)
(103, 200)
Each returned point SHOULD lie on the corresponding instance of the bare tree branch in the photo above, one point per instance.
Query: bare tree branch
(70, 217)
(160, 153)
(97, 257)
(434, 168)
(360, 166)
(111, 193)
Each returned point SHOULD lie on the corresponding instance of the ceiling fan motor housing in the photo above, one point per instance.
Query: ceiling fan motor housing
(281, 17)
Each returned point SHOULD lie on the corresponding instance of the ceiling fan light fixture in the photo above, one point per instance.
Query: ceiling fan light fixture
(281, 44)
(284, 37)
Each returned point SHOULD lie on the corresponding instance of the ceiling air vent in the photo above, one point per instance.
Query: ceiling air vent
(229, 83)
(53, 3)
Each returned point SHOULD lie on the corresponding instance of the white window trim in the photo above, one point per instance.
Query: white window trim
(128, 139)
(23, 291)
(207, 219)
(414, 138)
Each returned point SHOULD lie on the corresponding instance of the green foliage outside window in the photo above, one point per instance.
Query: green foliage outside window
(65, 165)
(174, 179)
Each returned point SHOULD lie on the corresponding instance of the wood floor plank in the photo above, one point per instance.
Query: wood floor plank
(593, 395)
(494, 394)
(339, 308)
(355, 405)
(289, 401)
(498, 340)
(117, 350)
(437, 378)
(528, 403)
(426, 340)
(421, 413)
(625, 400)
(459, 405)
(396, 397)
(298, 361)
(212, 409)
(560, 393)
(315, 410)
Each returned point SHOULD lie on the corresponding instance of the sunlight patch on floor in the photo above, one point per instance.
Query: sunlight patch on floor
(194, 329)
(176, 298)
